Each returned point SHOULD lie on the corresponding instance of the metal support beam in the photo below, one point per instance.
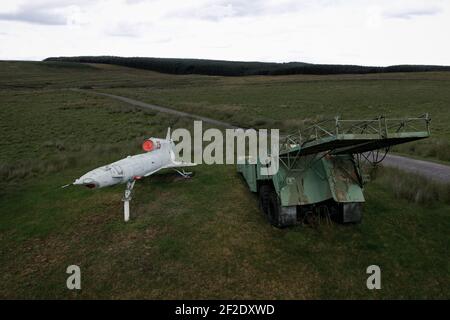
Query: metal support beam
(126, 200)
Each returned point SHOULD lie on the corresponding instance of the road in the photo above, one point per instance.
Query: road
(153, 107)
(431, 170)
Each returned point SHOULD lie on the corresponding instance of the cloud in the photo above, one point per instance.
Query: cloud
(45, 12)
(129, 29)
(35, 16)
(134, 1)
(375, 32)
(220, 9)
(411, 13)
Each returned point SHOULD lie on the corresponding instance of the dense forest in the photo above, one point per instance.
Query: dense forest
(238, 68)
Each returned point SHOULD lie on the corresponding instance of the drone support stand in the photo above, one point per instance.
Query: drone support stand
(184, 174)
(126, 200)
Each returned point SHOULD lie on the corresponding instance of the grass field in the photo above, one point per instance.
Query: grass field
(284, 102)
(203, 237)
(263, 101)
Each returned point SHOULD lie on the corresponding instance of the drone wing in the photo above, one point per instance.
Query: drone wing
(179, 164)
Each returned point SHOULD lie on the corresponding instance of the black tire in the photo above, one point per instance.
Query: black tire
(264, 198)
(270, 204)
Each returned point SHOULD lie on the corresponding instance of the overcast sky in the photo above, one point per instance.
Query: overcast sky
(367, 32)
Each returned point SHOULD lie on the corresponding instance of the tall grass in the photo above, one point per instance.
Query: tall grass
(435, 148)
(61, 157)
(412, 187)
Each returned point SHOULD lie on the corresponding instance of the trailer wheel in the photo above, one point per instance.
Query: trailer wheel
(270, 205)
(264, 198)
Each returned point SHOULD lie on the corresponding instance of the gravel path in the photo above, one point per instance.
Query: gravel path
(160, 109)
(432, 170)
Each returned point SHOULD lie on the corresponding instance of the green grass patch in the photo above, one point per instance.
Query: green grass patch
(203, 237)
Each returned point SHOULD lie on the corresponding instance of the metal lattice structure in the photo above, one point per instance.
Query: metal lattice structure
(338, 136)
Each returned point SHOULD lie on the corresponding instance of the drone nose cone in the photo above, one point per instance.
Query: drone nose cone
(87, 182)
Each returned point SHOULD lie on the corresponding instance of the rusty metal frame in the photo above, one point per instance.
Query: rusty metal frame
(378, 128)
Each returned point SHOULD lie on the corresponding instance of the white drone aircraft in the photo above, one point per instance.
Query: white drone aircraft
(160, 154)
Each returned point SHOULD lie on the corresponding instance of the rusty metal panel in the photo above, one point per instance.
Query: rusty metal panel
(344, 181)
(316, 179)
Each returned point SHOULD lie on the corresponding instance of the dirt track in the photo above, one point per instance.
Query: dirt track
(432, 170)
(161, 109)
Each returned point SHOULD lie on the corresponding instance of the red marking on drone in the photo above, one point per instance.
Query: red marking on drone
(148, 145)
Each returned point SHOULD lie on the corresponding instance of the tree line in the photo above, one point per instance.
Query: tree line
(238, 68)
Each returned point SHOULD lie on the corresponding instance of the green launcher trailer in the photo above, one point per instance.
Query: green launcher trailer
(320, 174)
